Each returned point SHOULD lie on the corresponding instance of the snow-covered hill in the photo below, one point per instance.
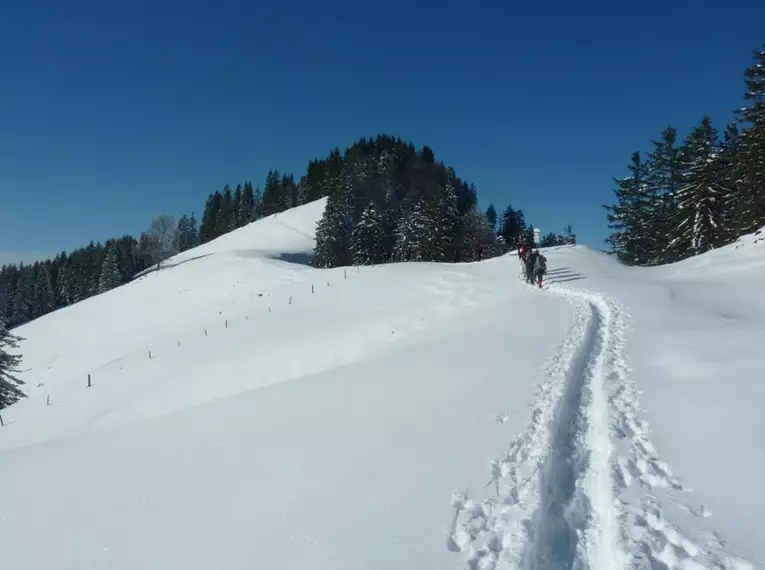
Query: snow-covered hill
(249, 411)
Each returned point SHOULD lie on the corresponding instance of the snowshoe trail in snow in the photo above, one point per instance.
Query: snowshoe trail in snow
(578, 489)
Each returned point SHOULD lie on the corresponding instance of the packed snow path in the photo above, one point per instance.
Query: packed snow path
(576, 490)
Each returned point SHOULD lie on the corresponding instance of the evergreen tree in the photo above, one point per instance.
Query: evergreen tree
(569, 237)
(426, 155)
(528, 236)
(630, 218)
(701, 198)
(209, 231)
(43, 292)
(247, 208)
(180, 240)
(333, 229)
(663, 180)
(479, 239)
(491, 216)
(110, 272)
(236, 211)
(513, 226)
(551, 239)
(407, 236)
(9, 383)
(23, 310)
(302, 191)
(368, 239)
(749, 158)
(224, 219)
(192, 235)
(64, 285)
(289, 192)
(273, 194)
(442, 223)
(314, 181)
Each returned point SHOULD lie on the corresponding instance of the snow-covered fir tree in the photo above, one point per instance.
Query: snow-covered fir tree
(630, 218)
(23, 301)
(224, 218)
(10, 391)
(273, 194)
(110, 272)
(479, 241)
(236, 210)
(43, 292)
(64, 285)
(491, 216)
(192, 239)
(368, 238)
(289, 192)
(749, 158)
(664, 175)
(703, 195)
(700, 224)
(512, 226)
(333, 231)
(404, 245)
(247, 208)
(180, 240)
(413, 234)
(444, 220)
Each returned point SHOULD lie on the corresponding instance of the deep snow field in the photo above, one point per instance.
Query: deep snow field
(248, 411)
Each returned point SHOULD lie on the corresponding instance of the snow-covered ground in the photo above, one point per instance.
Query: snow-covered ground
(249, 411)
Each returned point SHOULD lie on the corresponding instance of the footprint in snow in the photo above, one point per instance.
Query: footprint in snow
(501, 417)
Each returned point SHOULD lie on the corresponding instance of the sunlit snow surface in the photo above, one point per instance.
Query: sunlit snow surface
(249, 411)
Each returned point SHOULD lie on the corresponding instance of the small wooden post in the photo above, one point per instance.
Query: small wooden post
(312, 289)
(358, 268)
(89, 381)
(290, 299)
(269, 308)
(179, 343)
(345, 273)
(47, 401)
(1, 422)
(149, 354)
(205, 332)
(226, 324)
(327, 283)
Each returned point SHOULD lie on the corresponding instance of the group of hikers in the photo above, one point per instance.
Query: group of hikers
(534, 263)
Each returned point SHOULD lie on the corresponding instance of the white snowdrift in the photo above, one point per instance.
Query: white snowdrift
(297, 418)
(328, 432)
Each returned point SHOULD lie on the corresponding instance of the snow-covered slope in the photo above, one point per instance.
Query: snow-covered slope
(247, 411)
(644, 448)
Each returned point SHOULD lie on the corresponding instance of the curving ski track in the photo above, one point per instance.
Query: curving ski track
(578, 489)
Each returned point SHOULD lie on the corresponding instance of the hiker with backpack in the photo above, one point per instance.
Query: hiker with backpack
(530, 261)
(540, 267)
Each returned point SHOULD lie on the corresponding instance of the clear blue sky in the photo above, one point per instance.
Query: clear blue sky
(113, 112)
